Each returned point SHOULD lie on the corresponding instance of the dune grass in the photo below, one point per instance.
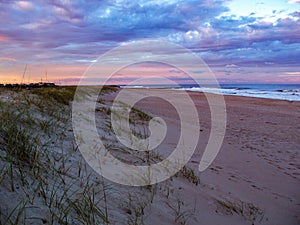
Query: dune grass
(61, 95)
(34, 162)
(248, 211)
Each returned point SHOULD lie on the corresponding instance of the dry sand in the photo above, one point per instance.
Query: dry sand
(259, 161)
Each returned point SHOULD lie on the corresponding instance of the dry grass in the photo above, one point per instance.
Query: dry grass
(248, 211)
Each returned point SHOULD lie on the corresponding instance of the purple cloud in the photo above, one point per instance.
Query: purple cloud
(79, 31)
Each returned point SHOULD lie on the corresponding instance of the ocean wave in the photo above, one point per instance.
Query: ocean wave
(290, 95)
(293, 90)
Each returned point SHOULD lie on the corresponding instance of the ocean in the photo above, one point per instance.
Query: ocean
(290, 92)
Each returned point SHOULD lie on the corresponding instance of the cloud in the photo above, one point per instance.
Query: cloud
(3, 38)
(231, 66)
(23, 5)
(293, 1)
(78, 31)
(175, 71)
(7, 59)
(292, 74)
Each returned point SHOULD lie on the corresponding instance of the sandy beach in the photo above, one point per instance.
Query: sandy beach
(258, 162)
(254, 179)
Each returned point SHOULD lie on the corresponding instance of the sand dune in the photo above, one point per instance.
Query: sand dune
(254, 179)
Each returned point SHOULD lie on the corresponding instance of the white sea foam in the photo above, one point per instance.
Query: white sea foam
(291, 95)
(290, 92)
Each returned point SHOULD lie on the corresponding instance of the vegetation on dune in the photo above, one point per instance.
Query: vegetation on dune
(248, 211)
(62, 95)
(16, 136)
(35, 164)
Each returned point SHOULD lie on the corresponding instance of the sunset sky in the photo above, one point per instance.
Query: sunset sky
(241, 41)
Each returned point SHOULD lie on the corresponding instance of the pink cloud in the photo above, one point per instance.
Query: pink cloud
(3, 38)
(23, 5)
(7, 59)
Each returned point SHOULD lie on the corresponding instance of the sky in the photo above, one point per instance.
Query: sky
(241, 41)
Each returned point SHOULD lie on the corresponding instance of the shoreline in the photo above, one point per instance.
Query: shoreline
(234, 95)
